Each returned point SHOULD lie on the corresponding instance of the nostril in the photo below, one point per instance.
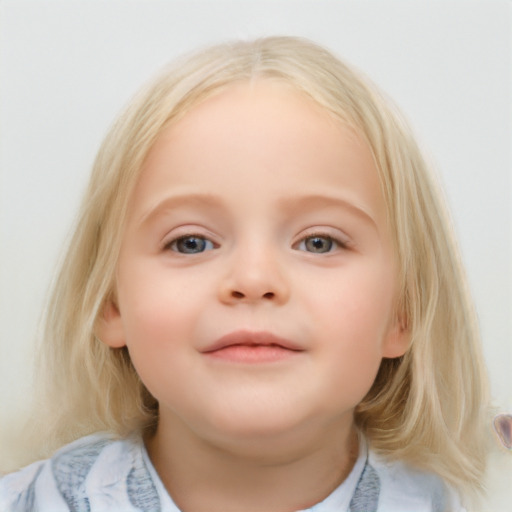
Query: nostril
(239, 295)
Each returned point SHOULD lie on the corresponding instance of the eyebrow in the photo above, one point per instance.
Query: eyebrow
(211, 201)
(313, 201)
(177, 200)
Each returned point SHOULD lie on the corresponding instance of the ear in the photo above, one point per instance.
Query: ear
(397, 340)
(109, 328)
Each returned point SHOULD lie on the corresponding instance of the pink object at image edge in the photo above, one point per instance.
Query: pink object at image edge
(503, 428)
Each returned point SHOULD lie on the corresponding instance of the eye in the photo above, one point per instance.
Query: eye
(319, 244)
(190, 244)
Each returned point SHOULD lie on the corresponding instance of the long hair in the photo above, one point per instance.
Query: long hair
(426, 408)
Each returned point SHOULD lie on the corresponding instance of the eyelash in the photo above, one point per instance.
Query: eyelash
(334, 243)
(206, 244)
(173, 244)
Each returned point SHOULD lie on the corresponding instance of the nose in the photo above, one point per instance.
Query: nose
(254, 276)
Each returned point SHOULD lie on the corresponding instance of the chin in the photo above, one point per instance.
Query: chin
(253, 426)
(260, 432)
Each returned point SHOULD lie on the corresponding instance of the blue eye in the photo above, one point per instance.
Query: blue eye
(191, 244)
(318, 244)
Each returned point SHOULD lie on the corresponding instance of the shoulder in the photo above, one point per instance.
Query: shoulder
(404, 488)
(97, 472)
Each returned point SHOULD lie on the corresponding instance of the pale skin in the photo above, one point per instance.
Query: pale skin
(257, 216)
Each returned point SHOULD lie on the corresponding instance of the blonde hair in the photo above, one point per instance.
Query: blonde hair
(426, 407)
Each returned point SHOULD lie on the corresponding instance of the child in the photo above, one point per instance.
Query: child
(262, 308)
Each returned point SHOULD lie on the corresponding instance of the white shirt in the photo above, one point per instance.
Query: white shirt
(100, 473)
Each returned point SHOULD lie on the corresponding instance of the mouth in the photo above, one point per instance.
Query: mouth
(252, 347)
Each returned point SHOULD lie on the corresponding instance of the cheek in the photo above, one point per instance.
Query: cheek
(351, 363)
(155, 334)
(157, 320)
(155, 302)
(353, 319)
(356, 305)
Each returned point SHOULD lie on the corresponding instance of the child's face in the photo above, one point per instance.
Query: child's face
(258, 220)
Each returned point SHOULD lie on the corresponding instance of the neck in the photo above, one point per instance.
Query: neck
(278, 474)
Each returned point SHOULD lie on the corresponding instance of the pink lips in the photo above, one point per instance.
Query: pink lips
(252, 347)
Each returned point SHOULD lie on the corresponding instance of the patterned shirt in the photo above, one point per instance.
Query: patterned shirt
(100, 473)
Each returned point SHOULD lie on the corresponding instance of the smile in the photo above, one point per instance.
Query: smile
(252, 347)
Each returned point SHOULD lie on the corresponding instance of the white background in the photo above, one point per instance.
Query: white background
(67, 67)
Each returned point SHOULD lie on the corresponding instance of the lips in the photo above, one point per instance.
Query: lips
(246, 347)
(252, 339)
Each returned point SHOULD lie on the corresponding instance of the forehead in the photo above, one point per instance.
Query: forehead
(262, 136)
